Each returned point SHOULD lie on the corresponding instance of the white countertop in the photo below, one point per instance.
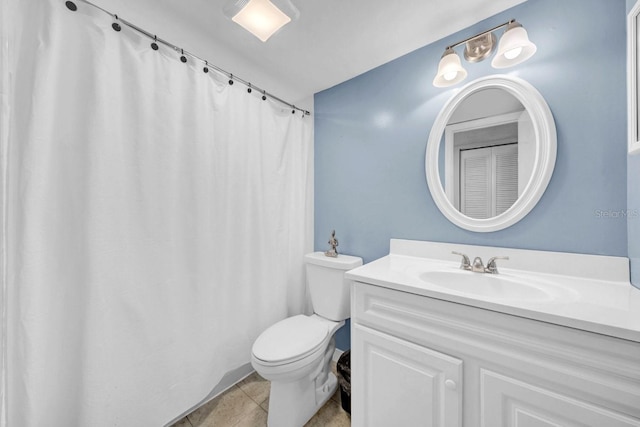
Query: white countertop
(586, 292)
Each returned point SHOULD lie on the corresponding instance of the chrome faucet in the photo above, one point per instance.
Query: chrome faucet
(478, 266)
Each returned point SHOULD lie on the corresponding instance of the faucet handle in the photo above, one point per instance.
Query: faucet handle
(465, 264)
(492, 268)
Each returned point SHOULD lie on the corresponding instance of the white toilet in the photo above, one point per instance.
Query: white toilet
(295, 353)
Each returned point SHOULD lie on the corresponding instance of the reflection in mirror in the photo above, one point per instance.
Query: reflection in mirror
(487, 153)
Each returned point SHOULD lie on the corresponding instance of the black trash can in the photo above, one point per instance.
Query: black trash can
(344, 379)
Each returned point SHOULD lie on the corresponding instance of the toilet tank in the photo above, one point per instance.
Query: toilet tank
(330, 291)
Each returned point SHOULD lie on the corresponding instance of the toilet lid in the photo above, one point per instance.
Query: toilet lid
(290, 339)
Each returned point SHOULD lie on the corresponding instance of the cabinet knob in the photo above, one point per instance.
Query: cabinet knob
(450, 384)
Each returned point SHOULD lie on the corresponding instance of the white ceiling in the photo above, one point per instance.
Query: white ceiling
(331, 42)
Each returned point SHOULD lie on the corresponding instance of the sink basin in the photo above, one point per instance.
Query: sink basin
(495, 286)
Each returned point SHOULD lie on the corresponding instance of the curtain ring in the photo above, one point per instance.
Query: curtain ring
(154, 44)
(115, 25)
(182, 57)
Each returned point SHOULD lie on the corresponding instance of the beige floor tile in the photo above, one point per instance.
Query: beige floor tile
(255, 418)
(182, 423)
(256, 387)
(265, 404)
(224, 411)
(330, 415)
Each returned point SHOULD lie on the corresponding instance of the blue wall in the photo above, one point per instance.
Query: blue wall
(633, 201)
(371, 134)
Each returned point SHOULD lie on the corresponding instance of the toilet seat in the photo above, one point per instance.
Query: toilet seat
(291, 340)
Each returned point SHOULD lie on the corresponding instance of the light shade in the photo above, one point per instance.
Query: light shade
(514, 47)
(261, 18)
(450, 70)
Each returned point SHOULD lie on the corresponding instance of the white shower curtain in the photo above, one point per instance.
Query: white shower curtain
(155, 220)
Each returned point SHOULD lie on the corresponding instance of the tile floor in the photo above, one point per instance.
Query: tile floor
(246, 405)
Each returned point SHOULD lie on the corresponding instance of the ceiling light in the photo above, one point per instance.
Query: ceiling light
(514, 47)
(262, 18)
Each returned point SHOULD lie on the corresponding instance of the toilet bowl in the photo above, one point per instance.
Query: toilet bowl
(295, 353)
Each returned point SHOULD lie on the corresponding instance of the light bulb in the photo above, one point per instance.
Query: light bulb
(450, 75)
(513, 53)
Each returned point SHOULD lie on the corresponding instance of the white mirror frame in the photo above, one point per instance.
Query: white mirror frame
(546, 146)
(632, 79)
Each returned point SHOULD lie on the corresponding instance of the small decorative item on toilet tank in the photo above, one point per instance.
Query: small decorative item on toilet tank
(333, 242)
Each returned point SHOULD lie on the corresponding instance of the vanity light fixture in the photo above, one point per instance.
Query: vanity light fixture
(262, 18)
(514, 47)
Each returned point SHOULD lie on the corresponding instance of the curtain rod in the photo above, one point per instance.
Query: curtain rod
(232, 78)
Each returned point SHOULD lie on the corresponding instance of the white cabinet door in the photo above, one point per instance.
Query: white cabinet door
(508, 402)
(398, 383)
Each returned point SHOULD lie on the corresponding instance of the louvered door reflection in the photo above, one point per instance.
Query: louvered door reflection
(488, 180)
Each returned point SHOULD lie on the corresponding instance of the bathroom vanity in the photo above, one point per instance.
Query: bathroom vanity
(553, 339)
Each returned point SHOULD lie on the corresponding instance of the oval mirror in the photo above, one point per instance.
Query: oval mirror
(491, 153)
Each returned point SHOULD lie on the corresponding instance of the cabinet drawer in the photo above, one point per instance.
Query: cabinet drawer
(408, 316)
